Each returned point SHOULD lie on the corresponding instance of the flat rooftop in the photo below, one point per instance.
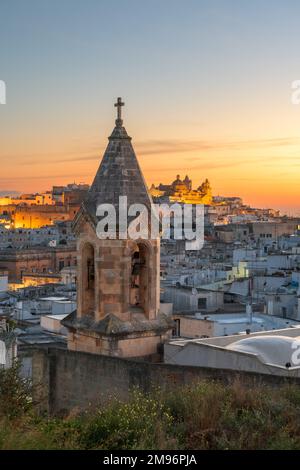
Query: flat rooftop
(60, 316)
(55, 299)
(269, 321)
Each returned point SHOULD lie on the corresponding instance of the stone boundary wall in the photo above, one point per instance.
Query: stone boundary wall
(64, 380)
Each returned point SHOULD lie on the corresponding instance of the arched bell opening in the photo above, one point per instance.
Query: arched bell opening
(140, 279)
(88, 279)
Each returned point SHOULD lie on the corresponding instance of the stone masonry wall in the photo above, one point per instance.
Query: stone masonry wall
(65, 380)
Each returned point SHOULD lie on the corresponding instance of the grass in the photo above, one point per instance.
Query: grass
(205, 415)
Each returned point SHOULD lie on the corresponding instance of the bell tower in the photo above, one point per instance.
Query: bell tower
(118, 280)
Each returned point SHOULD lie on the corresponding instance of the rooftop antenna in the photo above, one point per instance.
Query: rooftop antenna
(249, 309)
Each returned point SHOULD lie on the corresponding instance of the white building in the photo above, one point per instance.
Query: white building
(283, 303)
(8, 345)
(68, 275)
(53, 324)
(3, 282)
(274, 353)
(225, 324)
(191, 299)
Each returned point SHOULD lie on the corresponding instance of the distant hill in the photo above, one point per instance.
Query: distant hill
(9, 192)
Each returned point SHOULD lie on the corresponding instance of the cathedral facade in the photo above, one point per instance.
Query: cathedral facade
(181, 191)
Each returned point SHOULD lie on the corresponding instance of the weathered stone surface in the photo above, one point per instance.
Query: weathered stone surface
(112, 325)
(66, 380)
(119, 174)
(118, 280)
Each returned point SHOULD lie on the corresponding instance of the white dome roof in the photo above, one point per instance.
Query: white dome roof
(270, 349)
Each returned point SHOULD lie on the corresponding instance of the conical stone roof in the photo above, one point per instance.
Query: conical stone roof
(119, 174)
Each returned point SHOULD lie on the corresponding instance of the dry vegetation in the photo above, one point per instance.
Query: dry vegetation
(206, 415)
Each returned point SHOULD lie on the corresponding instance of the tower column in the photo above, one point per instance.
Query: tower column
(118, 279)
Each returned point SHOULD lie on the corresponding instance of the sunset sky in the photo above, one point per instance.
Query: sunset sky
(207, 87)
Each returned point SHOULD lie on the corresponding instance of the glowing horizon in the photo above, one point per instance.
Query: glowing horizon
(207, 92)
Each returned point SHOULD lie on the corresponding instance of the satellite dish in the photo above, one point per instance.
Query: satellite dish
(194, 291)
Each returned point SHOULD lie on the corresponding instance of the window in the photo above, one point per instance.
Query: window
(88, 279)
(284, 311)
(176, 329)
(22, 270)
(202, 302)
(91, 273)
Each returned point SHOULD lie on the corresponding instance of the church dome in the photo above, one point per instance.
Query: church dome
(178, 184)
(270, 349)
(205, 187)
(177, 181)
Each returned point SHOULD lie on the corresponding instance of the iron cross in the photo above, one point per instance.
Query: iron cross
(119, 105)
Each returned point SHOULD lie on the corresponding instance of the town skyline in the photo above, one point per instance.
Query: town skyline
(40, 183)
(157, 148)
(145, 150)
(207, 101)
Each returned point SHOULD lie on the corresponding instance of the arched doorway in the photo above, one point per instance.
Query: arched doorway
(88, 279)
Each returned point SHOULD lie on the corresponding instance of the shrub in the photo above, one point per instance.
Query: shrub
(131, 425)
(204, 415)
(15, 392)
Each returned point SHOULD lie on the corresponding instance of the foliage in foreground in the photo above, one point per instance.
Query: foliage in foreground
(206, 415)
(15, 392)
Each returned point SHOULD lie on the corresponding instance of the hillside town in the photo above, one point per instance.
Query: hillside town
(234, 304)
(149, 232)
